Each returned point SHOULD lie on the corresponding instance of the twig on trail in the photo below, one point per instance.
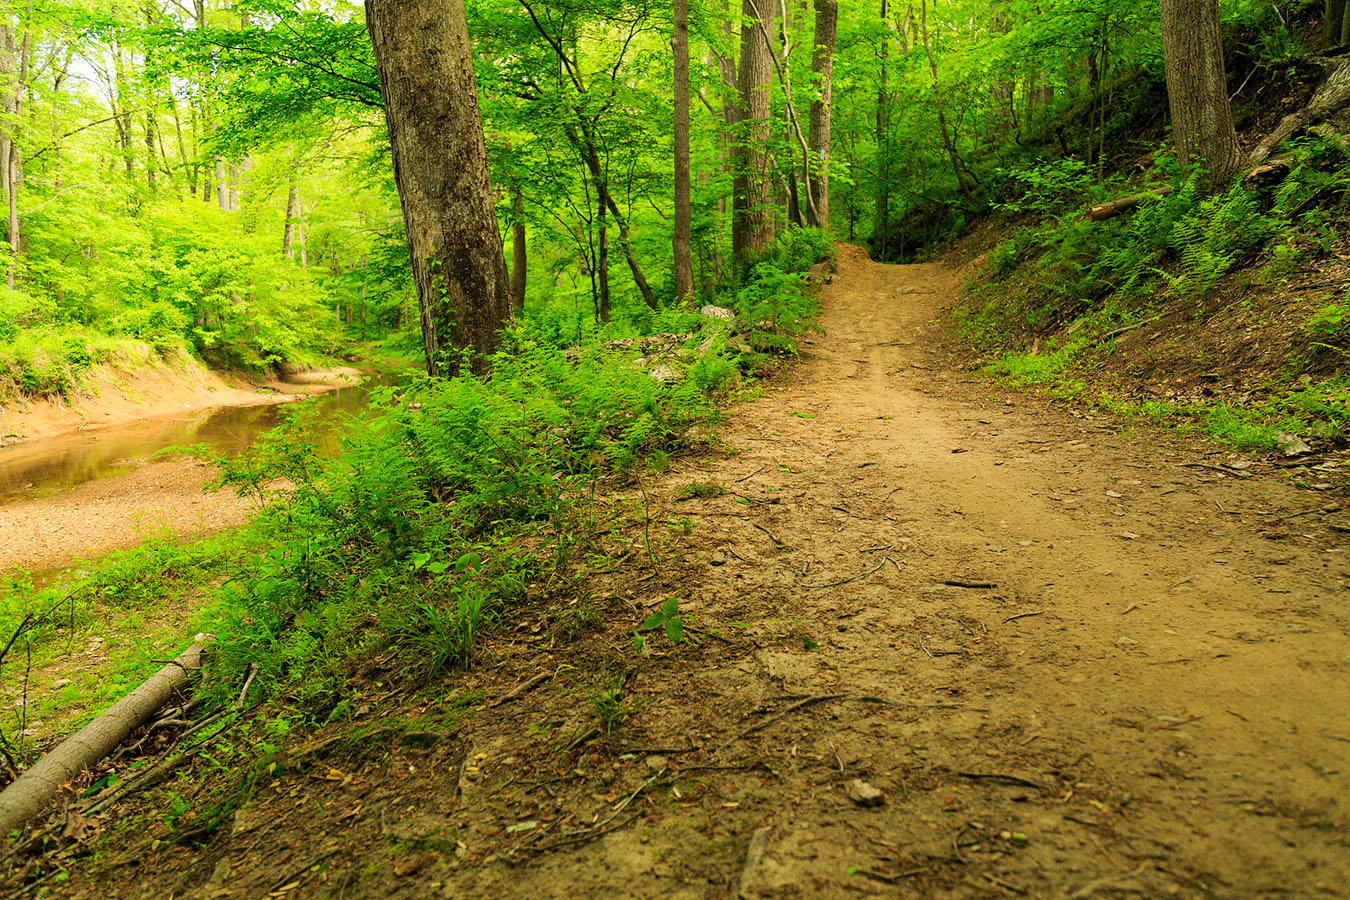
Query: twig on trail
(877, 549)
(800, 704)
(925, 647)
(587, 735)
(599, 828)
(1025, 615)
(1222, 470)
(967, 583)
(1122, 330)
(156, 775)
(1106, 881)
(857, 698)
(751, 475)
(893, 490)
(847, 580)
(1000, 778)
(1006, 885)
(771, 535)
(891, 560)
(248, 683)
(521, 690)
(897, 878)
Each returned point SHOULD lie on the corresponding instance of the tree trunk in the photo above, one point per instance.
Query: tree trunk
(881, 223)
(602, 260)
(1331, 25)
(519, 255)
(222, 186)
(822, 67)
(288, 235)
(425, 63)
(751, 197)
(15, 161)
(947, 140)
(1197, 89)
(684, 262)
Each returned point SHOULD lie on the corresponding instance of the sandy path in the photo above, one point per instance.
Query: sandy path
(115, 513)
(1153, 694)
(1149, 698)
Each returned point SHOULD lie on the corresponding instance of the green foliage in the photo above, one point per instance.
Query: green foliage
(667, 619)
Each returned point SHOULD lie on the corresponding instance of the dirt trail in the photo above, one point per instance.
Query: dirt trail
(1138, 687)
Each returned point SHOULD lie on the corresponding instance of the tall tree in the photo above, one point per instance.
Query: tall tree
(684, 263)
(1197, 89)
(822, 68)
(751, 223)
(425, 65)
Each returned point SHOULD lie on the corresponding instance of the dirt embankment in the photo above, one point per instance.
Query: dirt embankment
(948, 642)
(115, 397)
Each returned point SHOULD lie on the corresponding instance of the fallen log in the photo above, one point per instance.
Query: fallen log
(1113, 208)
(29, 794)
(1331, 96)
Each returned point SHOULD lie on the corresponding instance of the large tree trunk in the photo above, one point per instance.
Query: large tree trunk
(519, 254)
(684, 261)
(822, 67)
(423, 55)
(1197, 89)
(751, 192)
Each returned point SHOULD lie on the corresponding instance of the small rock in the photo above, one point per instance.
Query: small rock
(716, 312)
(61, 682)
(718, 558)
(1291, 445)
(657, 763)
(1124, 641)
(1115, 495)
(1127, 535)
(863, 794)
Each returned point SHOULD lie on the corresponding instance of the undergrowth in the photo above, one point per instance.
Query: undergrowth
(1060, 289)
(449, 502)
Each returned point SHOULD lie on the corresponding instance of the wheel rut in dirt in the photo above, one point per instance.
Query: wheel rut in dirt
(1070, 660)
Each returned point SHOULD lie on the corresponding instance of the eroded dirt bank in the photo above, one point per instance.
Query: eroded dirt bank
(1076, 660)
(113, 397)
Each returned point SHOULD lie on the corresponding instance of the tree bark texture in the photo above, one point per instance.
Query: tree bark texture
(684, 261)
(1197, 89)
(882, 216)
(822, 68)
(752, 185)
(423, 55)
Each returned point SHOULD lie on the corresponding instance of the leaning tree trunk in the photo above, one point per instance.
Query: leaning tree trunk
(751, 197)
(684, 261)
(822, 68)
(1197, 89)
(423, 55)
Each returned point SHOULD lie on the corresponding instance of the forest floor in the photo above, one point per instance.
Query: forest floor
(948, 641)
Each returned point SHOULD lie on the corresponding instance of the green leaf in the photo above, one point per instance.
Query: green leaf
(468, 561)
(671, 607)
(674, 630)
(654, 620)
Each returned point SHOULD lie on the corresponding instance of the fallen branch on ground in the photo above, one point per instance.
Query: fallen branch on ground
(31, 791)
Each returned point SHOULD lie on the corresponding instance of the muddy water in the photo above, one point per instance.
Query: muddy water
(57, 465)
